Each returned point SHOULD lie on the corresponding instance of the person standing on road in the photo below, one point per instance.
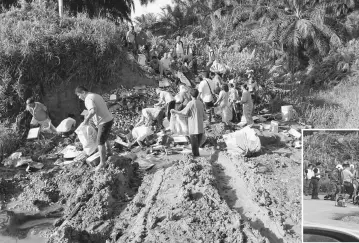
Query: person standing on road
(347, 180)
(196, 115)
(98, 111)
(315, 181)
(307, 179)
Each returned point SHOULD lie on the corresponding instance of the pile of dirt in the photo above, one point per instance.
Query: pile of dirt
(102, 197)
(181, 204)
(272, 181)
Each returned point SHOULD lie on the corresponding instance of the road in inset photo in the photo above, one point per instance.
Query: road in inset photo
(331, 202)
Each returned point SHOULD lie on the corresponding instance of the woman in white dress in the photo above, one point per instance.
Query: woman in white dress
(224, 104)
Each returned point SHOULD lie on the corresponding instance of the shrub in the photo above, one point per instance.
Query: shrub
(9, 142)
(41, 53)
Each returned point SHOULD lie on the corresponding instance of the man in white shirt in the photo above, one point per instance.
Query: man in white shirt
(98, 111)
(206, 92)
(307, 179)
(347, 179)
(166, 100)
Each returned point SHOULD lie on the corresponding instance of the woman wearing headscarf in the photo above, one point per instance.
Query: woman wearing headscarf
(247, 104)
(223, 101)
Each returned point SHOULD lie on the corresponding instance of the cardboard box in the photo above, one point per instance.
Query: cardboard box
(180, 140)
(93, 160)
(33, 133)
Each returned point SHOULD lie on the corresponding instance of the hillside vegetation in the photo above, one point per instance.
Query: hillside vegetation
(39, 53)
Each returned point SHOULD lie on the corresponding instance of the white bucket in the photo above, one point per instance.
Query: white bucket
(287, 112)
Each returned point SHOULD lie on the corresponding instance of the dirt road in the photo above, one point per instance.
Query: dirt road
(325, 213)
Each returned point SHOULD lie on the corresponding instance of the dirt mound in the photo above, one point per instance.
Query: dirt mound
(102, 197)
(181, 204)
(274, 184)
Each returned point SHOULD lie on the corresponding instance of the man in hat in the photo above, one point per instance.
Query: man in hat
(308, 174)
(315, 181)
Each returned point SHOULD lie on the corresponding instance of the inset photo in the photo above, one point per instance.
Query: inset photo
(330, 185)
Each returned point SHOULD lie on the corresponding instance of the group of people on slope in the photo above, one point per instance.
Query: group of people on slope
(216, 93)
(97, 112)
(161, 57)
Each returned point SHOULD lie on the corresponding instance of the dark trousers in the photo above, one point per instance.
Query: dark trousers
(195, 143)
(349, 188)
(315, 183)
(307, 186)
(170, 106)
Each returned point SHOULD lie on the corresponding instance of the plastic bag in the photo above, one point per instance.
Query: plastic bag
(244, 141)
(66, 125)
(87, 136)
(179, 125)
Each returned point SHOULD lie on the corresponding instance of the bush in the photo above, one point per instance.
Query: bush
(10, 141)
(41, 53)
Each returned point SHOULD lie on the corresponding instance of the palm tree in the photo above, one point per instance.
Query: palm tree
(303, 30)
(176, 20)
(146, 21)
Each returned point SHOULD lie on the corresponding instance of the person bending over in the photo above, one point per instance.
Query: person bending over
(98, 111)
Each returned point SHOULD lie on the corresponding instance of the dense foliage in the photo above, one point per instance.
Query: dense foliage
(331, 147)
(112, 9)
(39, 52)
